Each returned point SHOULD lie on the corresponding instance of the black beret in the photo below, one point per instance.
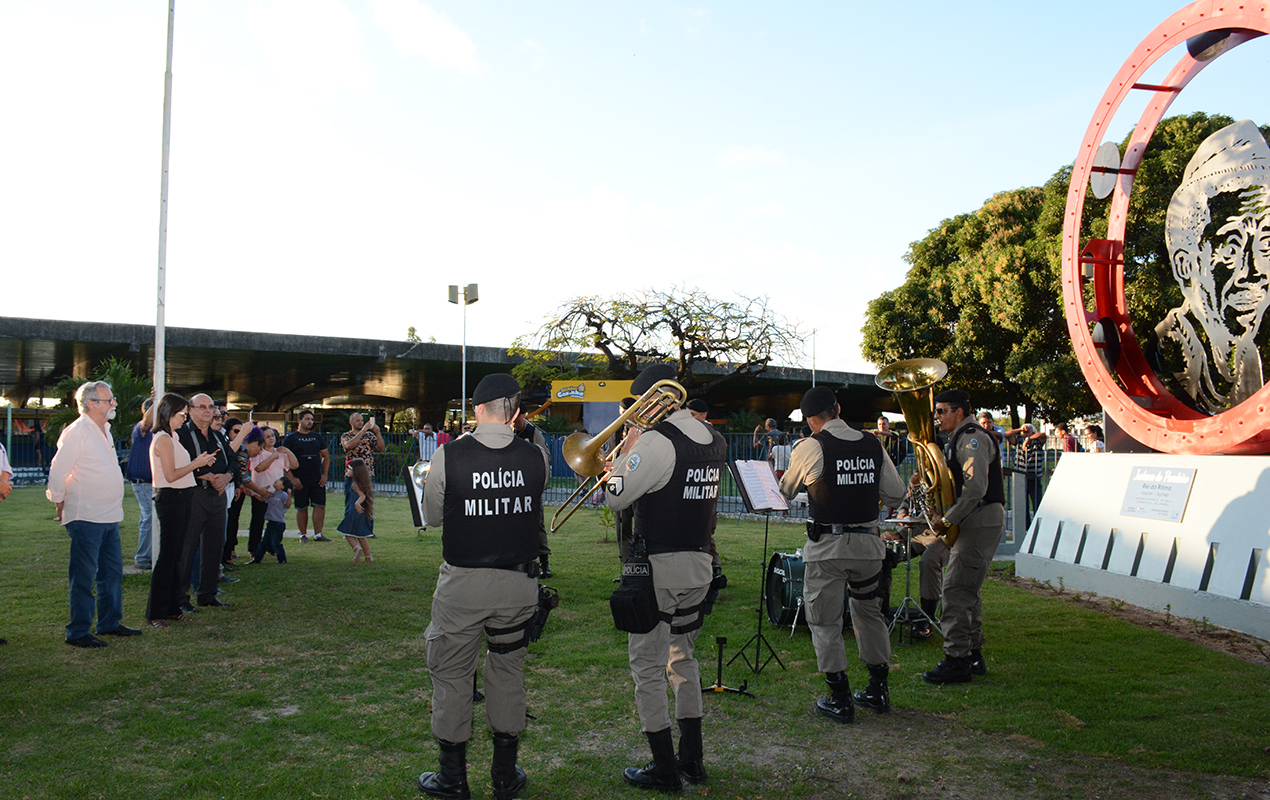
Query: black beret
(818, 400)
(494, 387)
(955, 398)
(650, 375)
(698, 405)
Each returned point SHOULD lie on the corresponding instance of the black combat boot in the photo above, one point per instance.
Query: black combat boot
(952, 669)
(509, 778)
(875, 696)
(691, 764)
(662, 773)
(837, 706)
(451, 781)
(977, 665)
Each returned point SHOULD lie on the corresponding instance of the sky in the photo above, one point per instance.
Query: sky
(336, 164)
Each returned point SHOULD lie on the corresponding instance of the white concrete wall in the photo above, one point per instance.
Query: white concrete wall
(1212, 564)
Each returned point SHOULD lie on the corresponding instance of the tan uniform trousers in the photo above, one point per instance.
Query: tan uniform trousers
(660, 656)
(968, 565)
(466, 602)
(930, 570)
(825, 582)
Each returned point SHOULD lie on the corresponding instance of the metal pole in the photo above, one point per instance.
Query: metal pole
(160, 363)
(813, 357)
(463, 397)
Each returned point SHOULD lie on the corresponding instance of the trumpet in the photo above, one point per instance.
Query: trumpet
(585, 454)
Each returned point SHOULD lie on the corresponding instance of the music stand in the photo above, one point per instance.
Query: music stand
(717, 687)
(759, 492)
(906, 526)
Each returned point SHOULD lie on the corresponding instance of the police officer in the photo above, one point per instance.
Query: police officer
(975, 463)
(670, 474)
(529, 432)
(485, 489)
(846, 473)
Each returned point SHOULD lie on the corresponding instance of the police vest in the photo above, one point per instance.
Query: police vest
(490, 509)
(847, 490)
(996, 487)
(679, 516)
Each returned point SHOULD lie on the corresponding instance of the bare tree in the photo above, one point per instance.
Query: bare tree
(618, 335)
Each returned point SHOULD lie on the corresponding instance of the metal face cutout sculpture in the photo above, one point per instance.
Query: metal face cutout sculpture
(1218, 240)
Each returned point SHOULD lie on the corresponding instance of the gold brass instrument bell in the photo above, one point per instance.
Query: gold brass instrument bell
(585, 454)
(911, 381)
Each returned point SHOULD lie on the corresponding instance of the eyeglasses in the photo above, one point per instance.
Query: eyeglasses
(939, 412)
(204, 407)
(110, 400)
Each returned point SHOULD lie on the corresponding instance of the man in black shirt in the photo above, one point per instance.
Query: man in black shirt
(206, 529)
(309, 478)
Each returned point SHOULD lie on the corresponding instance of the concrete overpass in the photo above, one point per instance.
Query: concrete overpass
(278, 372)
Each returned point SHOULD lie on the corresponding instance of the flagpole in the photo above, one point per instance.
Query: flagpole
(160, 358)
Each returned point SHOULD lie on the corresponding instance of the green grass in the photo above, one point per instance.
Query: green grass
(313, 683)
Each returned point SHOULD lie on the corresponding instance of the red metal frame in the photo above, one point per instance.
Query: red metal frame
(1138, 402)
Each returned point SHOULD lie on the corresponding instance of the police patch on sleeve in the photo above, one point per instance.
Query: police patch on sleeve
(972, 444)
(615, 485)
(632, 463)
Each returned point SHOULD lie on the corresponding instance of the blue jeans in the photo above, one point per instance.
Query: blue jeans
(96, 555)
(144, 492)
(271, 542)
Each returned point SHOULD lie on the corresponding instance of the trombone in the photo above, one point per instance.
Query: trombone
(585, 454)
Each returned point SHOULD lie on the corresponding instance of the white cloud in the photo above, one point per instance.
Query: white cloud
(417, 30)
(769, 211)
(692, 20)
(313, 46)
(537, 53)
(737, 154)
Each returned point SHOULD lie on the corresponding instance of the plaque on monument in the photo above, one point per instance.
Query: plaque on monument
(1158, 492)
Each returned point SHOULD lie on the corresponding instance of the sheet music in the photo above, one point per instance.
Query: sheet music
(759, 484)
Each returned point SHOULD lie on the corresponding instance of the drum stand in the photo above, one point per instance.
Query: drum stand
(758, 639)
(908, 603)
(718, 687)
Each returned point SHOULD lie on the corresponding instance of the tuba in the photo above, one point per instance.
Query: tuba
(585, 455)
(911, 381)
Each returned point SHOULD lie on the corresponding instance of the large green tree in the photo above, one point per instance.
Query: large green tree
(983, 291)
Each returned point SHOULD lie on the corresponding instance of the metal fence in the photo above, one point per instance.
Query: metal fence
(391, 469)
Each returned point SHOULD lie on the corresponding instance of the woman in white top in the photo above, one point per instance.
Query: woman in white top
(173, 472)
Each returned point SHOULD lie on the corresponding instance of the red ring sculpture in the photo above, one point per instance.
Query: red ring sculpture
(1138, 401)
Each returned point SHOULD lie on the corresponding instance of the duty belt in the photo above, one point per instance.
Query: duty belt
(530, 568)
(817, 529)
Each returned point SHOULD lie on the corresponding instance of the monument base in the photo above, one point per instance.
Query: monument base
(1187, 534)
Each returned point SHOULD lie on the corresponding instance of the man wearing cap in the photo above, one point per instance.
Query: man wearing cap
(670, 476)
(529, 432)
(846, 475)
(485, 489)
(1222, 267)
(975, 463)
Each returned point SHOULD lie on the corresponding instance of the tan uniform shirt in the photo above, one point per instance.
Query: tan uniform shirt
(975, 447)
(805, 467)
(646, 468)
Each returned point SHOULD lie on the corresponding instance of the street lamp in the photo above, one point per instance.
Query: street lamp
(470, 295)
